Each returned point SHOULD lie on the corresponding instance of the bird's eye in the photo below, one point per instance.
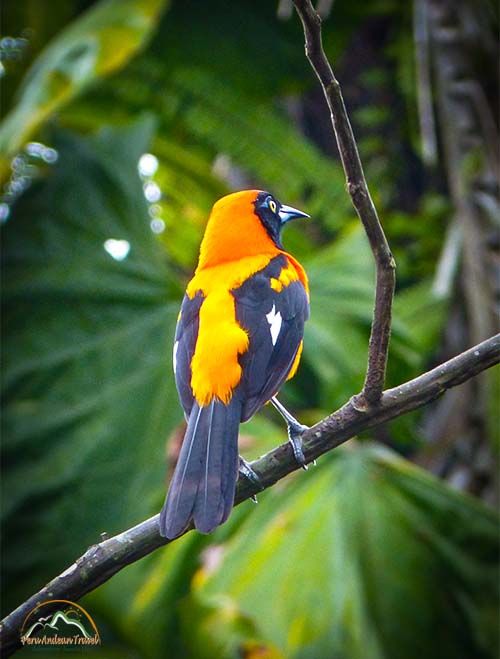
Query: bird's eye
(272, 206)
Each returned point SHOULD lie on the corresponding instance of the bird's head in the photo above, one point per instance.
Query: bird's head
(274, 215)
(244, 224)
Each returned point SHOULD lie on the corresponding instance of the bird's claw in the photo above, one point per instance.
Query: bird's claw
(246, 470)
(295, 432)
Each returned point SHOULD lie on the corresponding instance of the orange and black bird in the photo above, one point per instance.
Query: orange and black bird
(238, 339)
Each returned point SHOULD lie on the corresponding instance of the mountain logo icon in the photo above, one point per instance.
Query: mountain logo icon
(60, 623)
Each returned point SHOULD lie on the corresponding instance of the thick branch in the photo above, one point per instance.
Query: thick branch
(362, 201)
(102, 561)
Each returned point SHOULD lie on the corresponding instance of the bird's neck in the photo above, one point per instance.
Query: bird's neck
(234, 237)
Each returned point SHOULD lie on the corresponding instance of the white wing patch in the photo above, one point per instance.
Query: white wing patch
(274, 319)
(174, 356)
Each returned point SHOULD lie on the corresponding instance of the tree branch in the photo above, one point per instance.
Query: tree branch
(102, 561)
(362, 201)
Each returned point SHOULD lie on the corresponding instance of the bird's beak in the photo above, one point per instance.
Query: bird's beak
(288, 213)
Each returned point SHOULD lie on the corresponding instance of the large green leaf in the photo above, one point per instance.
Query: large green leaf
(88, 392)
(96, 44)
(365, 556)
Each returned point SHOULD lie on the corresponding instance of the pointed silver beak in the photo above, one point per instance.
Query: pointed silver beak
(288, 213)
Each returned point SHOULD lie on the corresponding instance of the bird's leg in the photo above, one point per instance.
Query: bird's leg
(295, 432)
(246, 470)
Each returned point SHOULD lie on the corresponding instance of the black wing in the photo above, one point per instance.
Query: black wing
(275, 325)
(186, 334)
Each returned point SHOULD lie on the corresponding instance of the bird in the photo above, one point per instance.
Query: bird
(239, 337)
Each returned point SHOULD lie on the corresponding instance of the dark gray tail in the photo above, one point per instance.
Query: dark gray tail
(204, 481)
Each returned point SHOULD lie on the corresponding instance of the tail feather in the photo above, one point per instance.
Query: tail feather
(204, 480)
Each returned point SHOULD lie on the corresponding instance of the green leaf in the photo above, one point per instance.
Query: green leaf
(88, 390)
(99, 42)
(366, 555)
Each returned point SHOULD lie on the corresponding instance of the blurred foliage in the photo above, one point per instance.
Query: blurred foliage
(322, 567)
(365, 556)
(81, 355)
(373, 520)
(96, 44)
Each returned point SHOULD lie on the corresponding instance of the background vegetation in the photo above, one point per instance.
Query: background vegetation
(368, 555)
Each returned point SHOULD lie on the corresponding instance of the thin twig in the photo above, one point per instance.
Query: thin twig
(447, 264)
(102, 561)
(424, 85)
(362, 201)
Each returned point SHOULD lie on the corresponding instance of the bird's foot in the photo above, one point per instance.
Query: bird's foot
(295, 432)
(246, 470)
